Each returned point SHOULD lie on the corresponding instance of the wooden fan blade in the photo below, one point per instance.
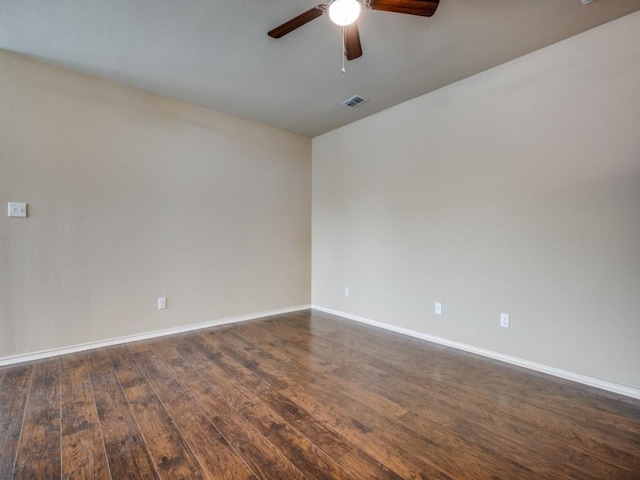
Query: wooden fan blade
(296, 22)
(424, 8)
(352, 41)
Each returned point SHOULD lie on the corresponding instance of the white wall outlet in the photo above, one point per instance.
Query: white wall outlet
(346, 291)
(504, 320)
(162, 303)
(437, 308)
(17, 209)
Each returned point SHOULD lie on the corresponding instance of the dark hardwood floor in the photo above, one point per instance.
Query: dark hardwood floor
(305, 396)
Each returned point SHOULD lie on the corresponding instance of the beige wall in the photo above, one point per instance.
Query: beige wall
(516, 190)
(133, 196)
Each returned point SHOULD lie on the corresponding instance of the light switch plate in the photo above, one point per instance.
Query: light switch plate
(17, 209)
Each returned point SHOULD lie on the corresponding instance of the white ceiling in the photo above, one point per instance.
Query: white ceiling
(216, 53)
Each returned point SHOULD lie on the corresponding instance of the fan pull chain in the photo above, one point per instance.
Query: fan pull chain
(344, 48)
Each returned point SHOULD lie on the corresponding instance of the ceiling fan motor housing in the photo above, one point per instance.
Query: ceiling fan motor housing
(353, 47)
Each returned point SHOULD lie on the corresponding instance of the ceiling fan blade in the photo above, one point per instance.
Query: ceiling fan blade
(352, 41)
(424, 8)
(300, 20)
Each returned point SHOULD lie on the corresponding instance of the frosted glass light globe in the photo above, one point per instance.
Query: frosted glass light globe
(344, 12)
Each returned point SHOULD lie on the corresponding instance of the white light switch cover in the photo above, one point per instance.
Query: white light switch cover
(17, 209)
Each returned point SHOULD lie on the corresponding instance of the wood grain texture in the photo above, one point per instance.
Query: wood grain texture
(424, 8)
(265, 460)
(171, 455)
(352, 43)
(127, 453)
(301, 396)
(298, 21)
(38, 453)
(14, 392)
(83, 450)
(216, 456)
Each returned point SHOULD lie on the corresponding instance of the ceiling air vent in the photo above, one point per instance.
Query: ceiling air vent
(354, 101)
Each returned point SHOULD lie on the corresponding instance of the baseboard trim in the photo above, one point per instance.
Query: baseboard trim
(539, 367)
(54, 352)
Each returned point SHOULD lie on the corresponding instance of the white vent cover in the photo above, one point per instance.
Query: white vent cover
(354, 101)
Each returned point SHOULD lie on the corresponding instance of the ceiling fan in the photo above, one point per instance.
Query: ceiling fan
(345, 13)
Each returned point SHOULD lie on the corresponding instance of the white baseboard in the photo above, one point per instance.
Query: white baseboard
(28, 357)
(539, 367)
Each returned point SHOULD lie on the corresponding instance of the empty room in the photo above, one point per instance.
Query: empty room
(361, 239)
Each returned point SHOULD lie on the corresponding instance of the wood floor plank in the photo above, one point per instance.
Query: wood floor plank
(328, 440)
(14, 392)
(490, 375)
(83, 451)
(327, 409)
(315, 428)
(554, 445)
(218, 459)
(448, 442)
(126, 450)
(265, 460)
(521, 419)
(39, 448)
(557, 454)
(306, 396)
(308, 457)
(361, 421)
(170, 452)
(326, 373)
(466, 426)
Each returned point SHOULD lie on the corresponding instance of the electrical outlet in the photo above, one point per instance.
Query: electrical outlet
(437, 308)
(504, 320)
(162, 303)
(346, 291)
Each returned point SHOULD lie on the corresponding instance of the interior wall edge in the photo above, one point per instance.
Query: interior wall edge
(54, 352)
(520, 362)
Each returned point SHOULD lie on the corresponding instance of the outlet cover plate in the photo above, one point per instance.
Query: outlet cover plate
(162, 303)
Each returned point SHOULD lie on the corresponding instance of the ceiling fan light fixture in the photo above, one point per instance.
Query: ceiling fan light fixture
(344, 12)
